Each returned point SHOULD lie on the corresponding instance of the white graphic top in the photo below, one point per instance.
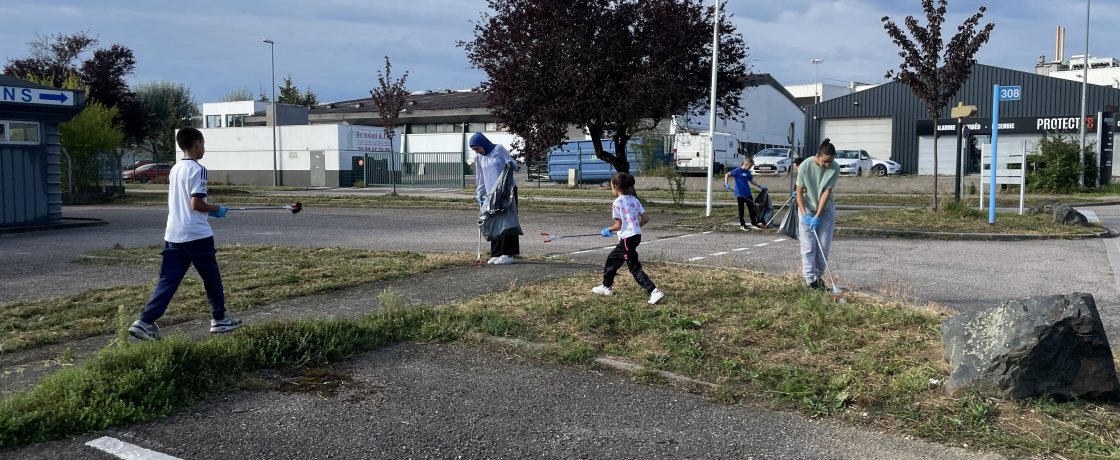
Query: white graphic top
(187, 179)
(628, 209)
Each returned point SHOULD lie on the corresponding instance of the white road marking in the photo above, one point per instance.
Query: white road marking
(121, 449)
(718, 253)
(606, 247)
(779, 240)
(582, 252)
(694, 259)
(740, 249)
(759, 245)
(707, 232)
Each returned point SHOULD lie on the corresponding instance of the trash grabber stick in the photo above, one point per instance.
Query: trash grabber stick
(549, 238)
(775, 215)
(837, 295)
(295, 208)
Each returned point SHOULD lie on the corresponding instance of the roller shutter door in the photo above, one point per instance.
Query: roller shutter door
(870, 134)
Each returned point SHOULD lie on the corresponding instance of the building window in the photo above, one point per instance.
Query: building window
(213, 121)
(235, 120)
(19, 132)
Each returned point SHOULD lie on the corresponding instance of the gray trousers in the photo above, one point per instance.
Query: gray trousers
(812, 259)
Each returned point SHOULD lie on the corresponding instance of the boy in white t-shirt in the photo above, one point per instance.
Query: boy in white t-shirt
(188, 240)
(629, 217)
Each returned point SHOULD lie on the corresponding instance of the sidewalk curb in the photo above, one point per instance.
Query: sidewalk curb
(915, 234)
(67, 222)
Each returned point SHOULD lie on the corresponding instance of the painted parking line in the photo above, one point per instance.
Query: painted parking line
(694, 259)
(779, 240)
(759, 245)
(718, 253)
(740, 249)
(121, 449)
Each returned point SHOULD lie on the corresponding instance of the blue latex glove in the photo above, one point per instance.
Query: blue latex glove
(606, 232)
(792, 193)
(806, 219)
(726, 186)
(814, 223)
(481, 201)
(220, 213)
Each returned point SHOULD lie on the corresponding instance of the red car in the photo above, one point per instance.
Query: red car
(147, 173)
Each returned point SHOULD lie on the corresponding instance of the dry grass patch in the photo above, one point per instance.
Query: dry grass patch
(252, 275)
(870, 362)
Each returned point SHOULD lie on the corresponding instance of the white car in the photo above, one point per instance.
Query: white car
(853, 162)
(885, 167)
(773, 161)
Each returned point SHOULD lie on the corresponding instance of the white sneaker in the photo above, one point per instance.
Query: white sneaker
(655, 296)
(602, 290)
(744, 228)
(224, 325)
(503, 260)
(492, 260)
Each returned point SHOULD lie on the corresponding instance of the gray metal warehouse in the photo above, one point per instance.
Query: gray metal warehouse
(30, 174)
(889, 122)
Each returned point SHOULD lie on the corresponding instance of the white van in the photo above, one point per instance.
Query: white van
(690, 152)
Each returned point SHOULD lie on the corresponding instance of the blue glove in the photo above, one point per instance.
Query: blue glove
(792, 193)
(481, 201)
(814, 223)
(806, 219)
(220, 213)
(726, 187)
(606, 232)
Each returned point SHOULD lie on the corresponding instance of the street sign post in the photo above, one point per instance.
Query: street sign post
(999, 94)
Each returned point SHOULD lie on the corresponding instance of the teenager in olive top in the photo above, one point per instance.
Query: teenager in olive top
(816, 178)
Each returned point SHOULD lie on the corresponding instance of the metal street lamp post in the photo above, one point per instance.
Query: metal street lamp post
(1084, 91)
(272, 45)
(817, 90)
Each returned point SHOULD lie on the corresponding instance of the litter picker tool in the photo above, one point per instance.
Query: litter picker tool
(295, 208)
(478, 252)
(548, 237)
(779, 212)
(837, 295)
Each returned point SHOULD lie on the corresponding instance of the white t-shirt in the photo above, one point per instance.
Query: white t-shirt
(628, 209)
(187, 179)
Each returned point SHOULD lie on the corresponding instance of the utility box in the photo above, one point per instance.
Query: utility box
(573, 177)
(30, 150)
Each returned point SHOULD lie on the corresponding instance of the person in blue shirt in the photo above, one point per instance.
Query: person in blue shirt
(743, 181)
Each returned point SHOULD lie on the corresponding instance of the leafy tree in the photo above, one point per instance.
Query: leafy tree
(935, 77)
(607, 65)
(89, 138)
(53, 58)
(239, 94)
(289, 94)
(169, 106)
(389, 96)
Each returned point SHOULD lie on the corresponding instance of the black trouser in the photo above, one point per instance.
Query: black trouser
(507, 245)
(744, 200)
(627, 253)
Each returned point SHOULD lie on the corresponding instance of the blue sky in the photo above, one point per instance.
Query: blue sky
(337, 46)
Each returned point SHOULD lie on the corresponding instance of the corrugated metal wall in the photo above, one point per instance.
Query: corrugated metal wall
(1042, 97)
(23, 185)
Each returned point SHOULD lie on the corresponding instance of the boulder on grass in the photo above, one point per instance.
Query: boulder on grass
(1066, 215)
(1044, 345)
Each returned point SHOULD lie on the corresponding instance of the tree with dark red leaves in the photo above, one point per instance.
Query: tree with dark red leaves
(609, 66)
(935, 77)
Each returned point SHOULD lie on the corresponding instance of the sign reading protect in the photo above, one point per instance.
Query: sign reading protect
(18, 95)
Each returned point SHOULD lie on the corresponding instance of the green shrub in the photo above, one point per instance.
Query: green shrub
(1055, 165)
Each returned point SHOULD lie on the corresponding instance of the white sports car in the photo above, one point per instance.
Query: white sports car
(773, 161)
(853, 162)
(885, 167)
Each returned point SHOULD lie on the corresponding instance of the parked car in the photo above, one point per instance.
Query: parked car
(885, 167)
(853, 162)
(137, 164)
(147, 173)
(773, 161)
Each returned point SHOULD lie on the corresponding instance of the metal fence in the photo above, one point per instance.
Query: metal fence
(444, 169)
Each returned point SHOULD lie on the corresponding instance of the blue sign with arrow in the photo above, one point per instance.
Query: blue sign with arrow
(38, 96)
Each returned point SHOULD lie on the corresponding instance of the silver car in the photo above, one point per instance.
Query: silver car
(773, 161)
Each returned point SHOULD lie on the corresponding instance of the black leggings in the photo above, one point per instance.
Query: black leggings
(750, 206)
(627, 253)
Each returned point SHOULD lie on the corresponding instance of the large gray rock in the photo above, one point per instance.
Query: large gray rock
(1066, 215)
(1045, 345)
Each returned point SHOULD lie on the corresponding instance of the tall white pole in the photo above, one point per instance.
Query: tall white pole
(712, 108)
(818, 89)
(272, 46)
(1084, 94)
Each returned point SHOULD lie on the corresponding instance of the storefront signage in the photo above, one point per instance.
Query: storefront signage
(1010, 125)
(18, 95)
(369, 140)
